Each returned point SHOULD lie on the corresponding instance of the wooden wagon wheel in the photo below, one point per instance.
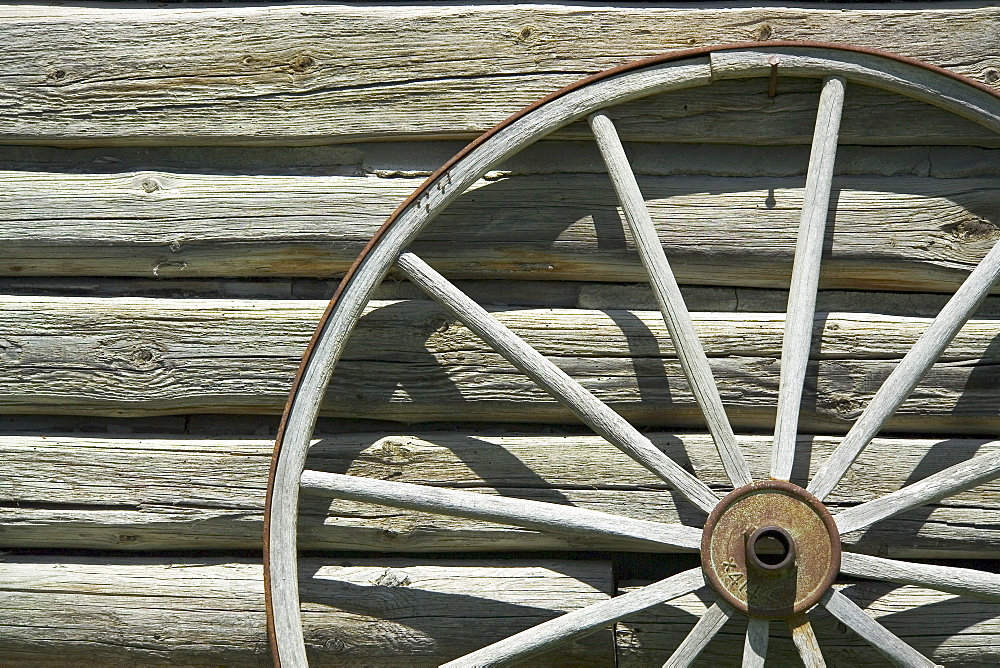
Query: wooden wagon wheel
(747, 580)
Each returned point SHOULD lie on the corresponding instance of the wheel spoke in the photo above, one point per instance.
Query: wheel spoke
(706, 628)
(580, 622)
(800, 313)
(690, 352)
(950, 481)
(805, 641)
(961, 581)
(755, 645)
(593, 412)
(908, 372)
(886, 642)
(519, 512)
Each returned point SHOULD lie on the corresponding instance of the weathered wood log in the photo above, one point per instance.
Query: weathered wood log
(928, 232)
(117, 611)
(163, 492)
(286, 75)
(401, 159)
(410, 362)
(951, 630)
(718, 114)
(496, 293)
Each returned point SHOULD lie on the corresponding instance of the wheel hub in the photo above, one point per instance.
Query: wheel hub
(770, 549)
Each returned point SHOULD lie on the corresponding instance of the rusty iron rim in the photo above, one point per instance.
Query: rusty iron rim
(793, 516)
(655, 60)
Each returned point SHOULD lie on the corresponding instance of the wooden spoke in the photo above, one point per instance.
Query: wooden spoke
(805, 641)
(886, 642)
(706, 628)
(799, 318)
(581, 622)
(908, 372)
(690, 352)
(488, 153)
(519, 512)
(755, 645)
(952, 480)
(596, 414)
(961, 581)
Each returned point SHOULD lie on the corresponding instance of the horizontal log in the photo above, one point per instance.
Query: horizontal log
(638, 296)
(953, 631)
(171, 492)
(719, 114)
(336, 73)
(125, 611)
(410, 362)
(497, 293)
(725, 231)
(403, 159)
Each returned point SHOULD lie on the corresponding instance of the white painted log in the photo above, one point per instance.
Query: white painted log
(805, 641)
(204, 225)
(953, 480)
(123, 611)
(969, 582)
(910, 370)
(579, 622)
(263, 74)
(588, 408)
(755, 645)
(519, 512)
(717, 614)
(886, 642)
(675, 313)
(799, 320)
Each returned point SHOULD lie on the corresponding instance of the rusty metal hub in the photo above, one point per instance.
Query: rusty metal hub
(770, 549)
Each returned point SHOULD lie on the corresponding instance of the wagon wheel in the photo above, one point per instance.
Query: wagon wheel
(747, 580)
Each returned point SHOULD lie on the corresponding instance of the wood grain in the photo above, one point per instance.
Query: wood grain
(952, 631)
(412, 362)
(969, 582)
(806, 642)
(411, 159)
(908, 373)
(676, 316)
(801, 311)
(929, 232)
(328, 73)
(519, 512)
(883, 640)
(161, 492)
(119, 611)
(328, 345)
(755, 645)
(952, 480)
(704, 630)
(557, 383)
(532, 642)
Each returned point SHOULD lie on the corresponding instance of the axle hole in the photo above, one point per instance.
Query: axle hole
(771, 548)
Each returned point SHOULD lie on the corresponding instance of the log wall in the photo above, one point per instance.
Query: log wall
(183, 186)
